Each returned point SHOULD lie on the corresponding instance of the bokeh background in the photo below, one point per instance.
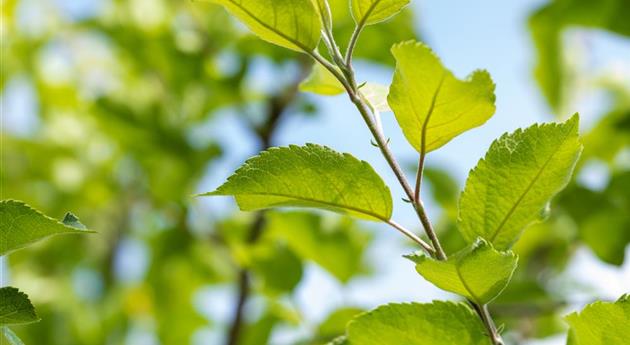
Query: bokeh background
(121, 111)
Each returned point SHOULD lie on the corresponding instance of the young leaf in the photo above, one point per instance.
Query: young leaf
(520, 173)
(293, 24)
(11, 337)
(479, 272)
(15, 307)
(376, 95)
(309, 176)
(321, 81)
(601, 323)
(438, 323)
(368, 12)
(21, 226)
(431, 105)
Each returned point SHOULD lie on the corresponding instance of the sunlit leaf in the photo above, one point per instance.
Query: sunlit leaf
(520, 173)
(601, 323)
(15, 307)
(22, 225)
(309, 176)
(367, 12)
(479, 272)
(438, 323)
(293, 24)
(431, 105)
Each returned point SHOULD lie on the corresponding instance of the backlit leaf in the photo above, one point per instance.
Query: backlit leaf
(431, 105)
(320, 81)
(293, 24)
(367, 12)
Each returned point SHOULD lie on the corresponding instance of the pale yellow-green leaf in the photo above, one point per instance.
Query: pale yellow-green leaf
(368, 12)
(322, 82)
(309, 176)
(431, 105)
(293, 24)
(479, 272)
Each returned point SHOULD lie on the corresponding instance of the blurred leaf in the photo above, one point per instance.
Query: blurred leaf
(338, 247)
(276, 266)
(431, 105)
(293, 24)
(479, 272)
(601, 323)
(22, 226)
(337, 322)
(516, 179)
(309, 176)
(320, 81)
(547, 24)
(15, 307)
(437, 323)
(368, 12)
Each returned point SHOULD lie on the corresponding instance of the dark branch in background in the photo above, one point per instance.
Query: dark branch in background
(277, 108)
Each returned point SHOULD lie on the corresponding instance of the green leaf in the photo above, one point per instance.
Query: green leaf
(15, 307)
(601, 323)
(431, 105)
(341, 340)
(22, 225)
(368, 12)
(276, 267)
(339, 248)
(438, 323)
(11, 337)
(520, 173)
(293, 24)
(309, 176)
(320, 81)
(376, 95)
(479, 272)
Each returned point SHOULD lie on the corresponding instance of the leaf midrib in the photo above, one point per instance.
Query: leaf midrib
(528, 189)
(271, 28)
(356, 209)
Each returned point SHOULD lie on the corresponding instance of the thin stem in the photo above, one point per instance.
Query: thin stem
(425, 246)
(353, 43)
(419, 177)
(484, 315)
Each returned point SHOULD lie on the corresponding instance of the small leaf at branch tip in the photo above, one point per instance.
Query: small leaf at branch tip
(292, 24)
(431, 105)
